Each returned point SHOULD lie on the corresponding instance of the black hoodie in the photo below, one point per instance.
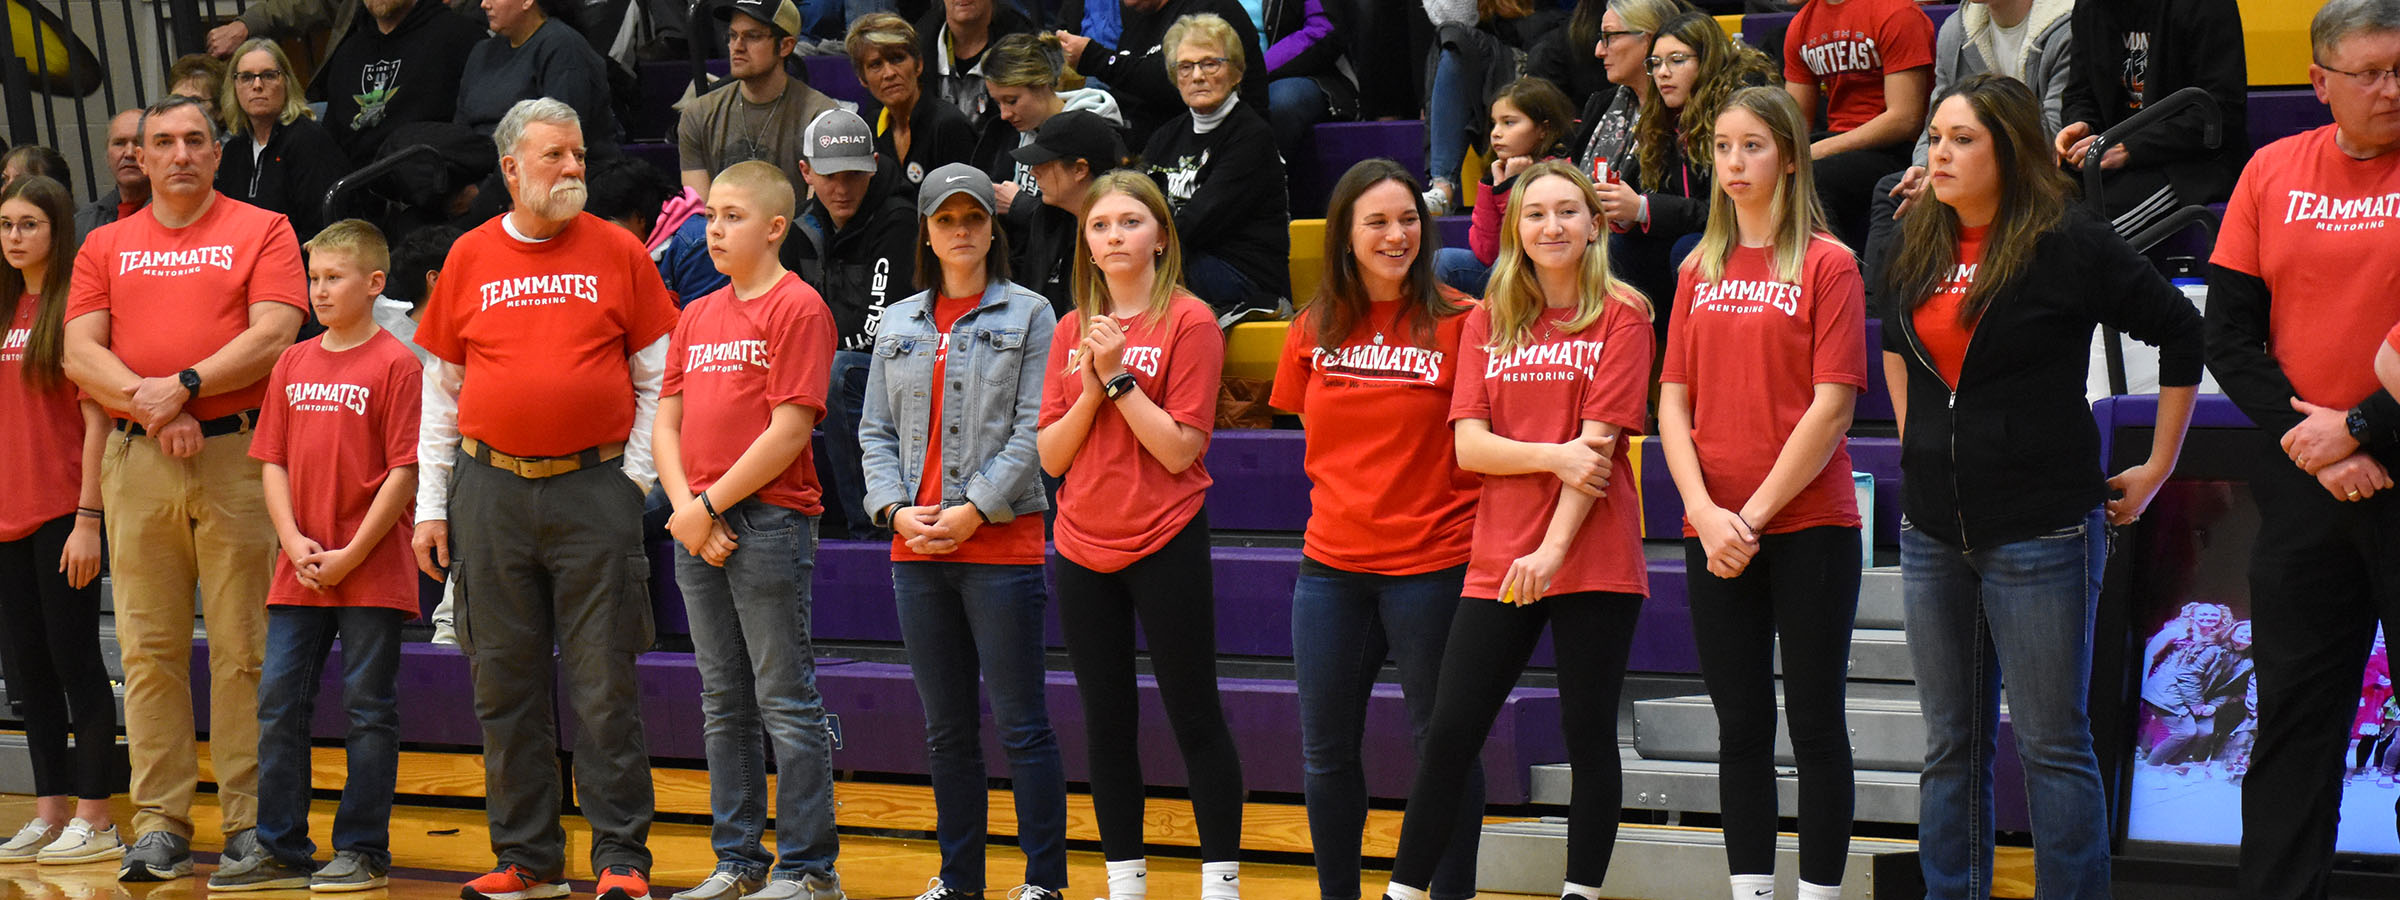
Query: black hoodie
(289, 175)
(374, 82)
(863, 267)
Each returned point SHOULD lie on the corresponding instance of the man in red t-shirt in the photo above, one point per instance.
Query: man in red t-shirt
(176, 316)
(2300, 296)
(549, 330)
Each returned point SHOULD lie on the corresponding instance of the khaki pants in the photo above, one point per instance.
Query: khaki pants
(175, 525)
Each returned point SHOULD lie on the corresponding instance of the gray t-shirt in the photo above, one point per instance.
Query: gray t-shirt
(720, 128)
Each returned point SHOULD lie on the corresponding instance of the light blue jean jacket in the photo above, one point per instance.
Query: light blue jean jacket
(991, 403)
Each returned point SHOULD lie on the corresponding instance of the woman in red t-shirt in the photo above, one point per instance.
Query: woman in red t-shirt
(50, 539)
(1554, 371)
(1125, 421)
(1765, 359)
(1369, 366)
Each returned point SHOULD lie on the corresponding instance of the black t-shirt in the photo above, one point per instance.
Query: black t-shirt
(373, 82)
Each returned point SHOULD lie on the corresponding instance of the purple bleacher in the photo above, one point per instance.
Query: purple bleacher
(1258, 481)
(435, 692)
(1875, 404)
(833, 76)
(1453, 229)
(659, 154)
(1777, 22)
(1337, 146)
(2275, 115)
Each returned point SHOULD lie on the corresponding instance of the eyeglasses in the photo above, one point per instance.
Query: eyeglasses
(1609, 37)
(24, 226)
(1672, 60)
(1206, 66)
(247, 78)
(2367, 79)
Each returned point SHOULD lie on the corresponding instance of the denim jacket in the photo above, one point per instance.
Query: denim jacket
(989, 409)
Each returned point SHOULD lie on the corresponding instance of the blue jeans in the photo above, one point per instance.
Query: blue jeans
(298, 638)
(1217, 282)
(1447, 112)
(961, 621)
(846, 485)
(1343, 625)
(2024, 609)
(758, 673)
(1295, 107)
(1458, 268)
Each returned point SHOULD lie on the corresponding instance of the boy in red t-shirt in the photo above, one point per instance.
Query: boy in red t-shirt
(1866, 67)
(338, 436)
(746, 373)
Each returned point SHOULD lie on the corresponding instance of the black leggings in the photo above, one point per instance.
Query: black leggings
(51, 634)
(1802, 586)
(1846, 181)
(1489, 644)
(1171, 591)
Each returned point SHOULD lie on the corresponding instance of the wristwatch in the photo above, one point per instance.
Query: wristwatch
(191, 382)
(2357, 423)
(1118, 386)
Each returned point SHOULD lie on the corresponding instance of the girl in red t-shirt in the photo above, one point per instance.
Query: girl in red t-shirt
(50, 539)
(1765, 359)
(1554, 371)
(1370, 366)
(1125, 422)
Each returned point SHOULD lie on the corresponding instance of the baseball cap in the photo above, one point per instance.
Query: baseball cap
(779, 14)
(954, 178)
(1077, 134)
(839, 141)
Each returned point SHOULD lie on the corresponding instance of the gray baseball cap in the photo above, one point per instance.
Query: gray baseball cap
(839, 141)
(955, 178)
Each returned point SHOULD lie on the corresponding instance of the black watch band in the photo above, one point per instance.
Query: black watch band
(2357, 423)
(1119, 386)
(190, 379)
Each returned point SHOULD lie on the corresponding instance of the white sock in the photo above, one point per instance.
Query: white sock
(1221, 880)
(1128, 879)
(1753, 887)
(1820, 891)
(1398, 891)
(1587, 892)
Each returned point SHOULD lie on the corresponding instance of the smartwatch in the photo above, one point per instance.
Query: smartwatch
(2357, 423)
(1119, 386)
(190, 378)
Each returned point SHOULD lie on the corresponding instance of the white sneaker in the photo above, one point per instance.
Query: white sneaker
(80, 844)
(28, 842)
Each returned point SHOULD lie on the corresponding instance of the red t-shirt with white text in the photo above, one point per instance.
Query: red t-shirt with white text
(1019, 542)
(41, 462)
(1117, 503)
(1846, 48)
(733, 361)
(1938, 326)
(175, 296)
(1751, 350)
(1543, 392)
(339, 423)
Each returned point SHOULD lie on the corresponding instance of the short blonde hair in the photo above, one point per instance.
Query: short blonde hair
(229, 103)
(875, 34)
(763, 182)
(357, 239)
(1208, 28)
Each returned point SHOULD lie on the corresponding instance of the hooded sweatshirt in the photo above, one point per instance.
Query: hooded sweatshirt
(861, 267)
(1969, 42)
(374, 82)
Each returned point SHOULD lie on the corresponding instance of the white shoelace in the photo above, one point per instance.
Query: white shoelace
(33, 830)
(933, 890)
(77, 829)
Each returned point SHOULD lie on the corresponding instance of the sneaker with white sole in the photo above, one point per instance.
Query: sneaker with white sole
(724, 884)
(1033, 892)
(781, 886)
(349, 870)
(29, 842)
(80, 844)
(157, 856)
(258, 872)
(511, 882)
(936, 890)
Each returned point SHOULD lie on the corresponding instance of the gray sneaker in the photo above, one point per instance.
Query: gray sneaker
(348, 871)
(781, 886)
(262, 872)
(157, 856)
(722, 885)
(240, 845)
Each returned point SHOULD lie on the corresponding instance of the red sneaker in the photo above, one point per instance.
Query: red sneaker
(511, 882)
(623, 883)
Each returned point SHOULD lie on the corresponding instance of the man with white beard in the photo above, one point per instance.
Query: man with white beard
(534, 448)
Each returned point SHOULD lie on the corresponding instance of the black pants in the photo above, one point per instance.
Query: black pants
(1845, 181)
(1802, 587)
(51, 634)
(1173, 594)
(1489, 644)
(2322, 574)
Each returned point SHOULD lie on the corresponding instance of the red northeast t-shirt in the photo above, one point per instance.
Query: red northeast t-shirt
(1386, 494)
(177, 295)
(1938, 327)
(338, 423)
(733, 361)
(543, 330)
(1017, 543)
(2323, 231)
(1544, 392)
(1751, 351)
(41, 462)
(1117, 503)
(1846, 48)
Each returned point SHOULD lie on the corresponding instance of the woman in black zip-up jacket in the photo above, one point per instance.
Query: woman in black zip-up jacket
(1998, 286)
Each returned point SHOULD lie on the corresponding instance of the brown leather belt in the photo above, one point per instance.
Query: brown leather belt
(540, 466)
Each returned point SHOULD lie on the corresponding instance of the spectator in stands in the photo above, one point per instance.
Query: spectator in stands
(35, 159)
(1864, 66)
(916, 136)
(853, 245)
(672, 224)
(531, 55)
(2001, 258)
(953, 41)
(50, 549)
(1477, 45)
(1531, 121)
(291, 160)
(1222, 176)
(1140, 68)
(1026, 76)
(132, 185)
(397, 65)
(200, 77)
(1068, 153)
(1391, 513)
(280, 20)
(967, 546)
(1554, 378)
(1603, 142)
(1126, 415)
(1756, 440)
(1308, 79)
(549, 332)
(762, 114)
(178, 352)
(1569, 54)
(2299, 288)
(2131, 54)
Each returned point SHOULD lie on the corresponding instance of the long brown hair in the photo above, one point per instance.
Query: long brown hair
(1725, 66)
(2033, 200)
(1548, 107)
(45, 348)
(1514, 297)
(1342, 298)
(1090, 285)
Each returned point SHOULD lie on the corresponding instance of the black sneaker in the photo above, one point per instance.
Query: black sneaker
(936, 890)
(157, 856)
(262, 872)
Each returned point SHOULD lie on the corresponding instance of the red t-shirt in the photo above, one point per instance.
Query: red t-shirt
(543, 330)
(41, 462)
(338, 423)
(1846, 48)
(734, 361)
(2323, 231)
(1019, 542)
(177, 295)
(1751, 351)
(1544, 392)
(1938, 327)
(1386, 495)
(1117, 503)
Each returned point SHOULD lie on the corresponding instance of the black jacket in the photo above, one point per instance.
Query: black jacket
(1044, 257)
(2014, 453)
(2192, 42)
(1136, 70)
(1227, 189)
(374, 82)
(861, 268)
(963, 90)
(938, 134)
(290, 177)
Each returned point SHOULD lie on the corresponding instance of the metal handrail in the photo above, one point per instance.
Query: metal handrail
(367, 174)
(2212, 121)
